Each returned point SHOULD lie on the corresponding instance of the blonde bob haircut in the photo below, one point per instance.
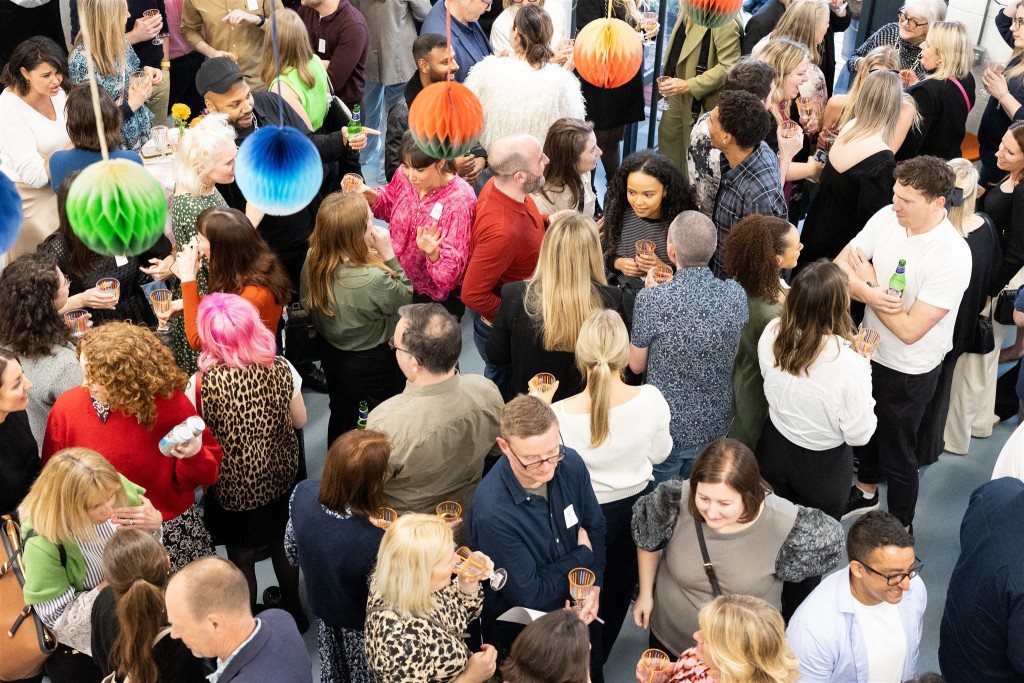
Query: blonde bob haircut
(412, 546)
(602, 351)
(785, 56)
(199, 147)
(799, 23)
(951, 43)
(966, 180)
(102, 20)
(563, 291)
(293, 48)
(72, 482)
(745, 639)
(877, 108)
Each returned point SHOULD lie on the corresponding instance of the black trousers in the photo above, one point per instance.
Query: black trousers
(66, 665)
(891, 455)
(18, 24)
(183, 82)
(620, 572)
(353, 376)
(453, 304)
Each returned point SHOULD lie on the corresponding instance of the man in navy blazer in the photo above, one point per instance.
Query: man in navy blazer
(208, 610)
(469, 42)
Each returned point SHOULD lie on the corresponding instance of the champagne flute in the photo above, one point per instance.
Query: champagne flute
(648, 22)
(805, 107)
(449, 511)
(383, 518)
(655, 666)
(149, 14)
(161, 301)
(581, 583)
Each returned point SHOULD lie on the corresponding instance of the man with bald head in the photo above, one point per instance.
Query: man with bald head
(506, 235)
(208, 610)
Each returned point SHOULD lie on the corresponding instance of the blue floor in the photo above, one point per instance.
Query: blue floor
(945, 489)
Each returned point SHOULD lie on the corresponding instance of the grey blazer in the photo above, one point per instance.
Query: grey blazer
(389, 59)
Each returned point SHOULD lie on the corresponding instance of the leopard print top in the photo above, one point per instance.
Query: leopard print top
(427, 649)
(248, 410)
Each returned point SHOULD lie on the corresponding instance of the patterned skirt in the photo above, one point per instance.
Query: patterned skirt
(342, 654)
(186, 537)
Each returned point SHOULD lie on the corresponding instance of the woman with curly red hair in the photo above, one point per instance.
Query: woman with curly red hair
(133, 395)
(756, 249)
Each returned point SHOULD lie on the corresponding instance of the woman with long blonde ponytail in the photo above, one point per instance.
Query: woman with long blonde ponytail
(621, 432)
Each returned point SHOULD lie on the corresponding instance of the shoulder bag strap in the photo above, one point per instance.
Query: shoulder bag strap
(702, 66)
(163, 633)
(967, 100)
(199, 393)
(709, 568)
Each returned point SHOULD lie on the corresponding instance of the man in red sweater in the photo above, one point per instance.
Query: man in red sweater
(506, 237)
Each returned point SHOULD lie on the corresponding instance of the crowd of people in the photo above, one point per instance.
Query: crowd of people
(690, 380)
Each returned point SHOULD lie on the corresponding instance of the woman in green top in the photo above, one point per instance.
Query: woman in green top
(756, 249)
(75, 506)
(353, 286)
(303, 83)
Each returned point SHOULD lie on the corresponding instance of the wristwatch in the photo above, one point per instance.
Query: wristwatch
(259, 24)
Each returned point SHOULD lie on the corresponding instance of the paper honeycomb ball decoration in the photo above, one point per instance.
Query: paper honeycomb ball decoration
(279, 170)
(710, 13)
(446, 120)
(608, 53)
(117, 207)
(11, 214)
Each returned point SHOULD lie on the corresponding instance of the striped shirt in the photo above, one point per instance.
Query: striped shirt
(635, 228)
(51, 610)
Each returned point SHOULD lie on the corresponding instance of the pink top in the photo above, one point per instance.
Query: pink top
(690, 669)
(399, 204)
(178, 45)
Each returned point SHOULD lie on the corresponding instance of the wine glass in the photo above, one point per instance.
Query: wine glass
(997, 67)
(77, 319)
(498, 578)
(149, 14)
(138, 78)
(449, 511)
(654, 667)
(663, 104)
(581, 583)
(648, 22)
(383, 518)
(161, 301)
(159, 135)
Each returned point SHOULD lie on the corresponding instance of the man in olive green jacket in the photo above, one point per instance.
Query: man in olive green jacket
(685, 83)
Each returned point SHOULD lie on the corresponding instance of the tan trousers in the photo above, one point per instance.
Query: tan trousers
(159, 101)
(40, 207)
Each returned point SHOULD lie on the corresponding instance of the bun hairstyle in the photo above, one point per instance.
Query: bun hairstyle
(534, 30)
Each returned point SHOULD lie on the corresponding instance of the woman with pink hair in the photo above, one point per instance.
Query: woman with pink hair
(251, 400)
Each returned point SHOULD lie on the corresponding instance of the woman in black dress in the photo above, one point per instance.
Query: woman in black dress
(857, 179)
(19, 464)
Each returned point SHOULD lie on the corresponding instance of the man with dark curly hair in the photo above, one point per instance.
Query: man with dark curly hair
(751, 182)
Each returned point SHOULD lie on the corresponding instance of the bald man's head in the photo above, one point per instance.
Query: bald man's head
(208, 607)
(518, 160)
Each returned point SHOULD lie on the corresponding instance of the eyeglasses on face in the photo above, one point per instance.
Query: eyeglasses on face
(1017, 24)
(896, 579)
(395, 347)
(537, 464)
(906, 19)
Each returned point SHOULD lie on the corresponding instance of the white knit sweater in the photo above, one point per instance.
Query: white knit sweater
(517, 98)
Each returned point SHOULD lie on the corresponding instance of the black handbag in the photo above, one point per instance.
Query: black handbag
(984, 340)
(709, 568)
(337, 117)
(1004, 306)
(300, 339)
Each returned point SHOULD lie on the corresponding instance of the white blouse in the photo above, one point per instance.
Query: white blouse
(26, 137)
(502, 27)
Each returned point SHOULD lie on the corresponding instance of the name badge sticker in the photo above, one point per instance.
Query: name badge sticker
(435, 212)
(321, 46)
(121, 260)
(571, 519)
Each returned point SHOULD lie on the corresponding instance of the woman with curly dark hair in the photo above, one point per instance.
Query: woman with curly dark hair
(133, 395)
(756, 249)
(32, 292)
(643, 198)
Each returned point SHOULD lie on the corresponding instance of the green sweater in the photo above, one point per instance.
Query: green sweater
(45, 578)
(749, 406)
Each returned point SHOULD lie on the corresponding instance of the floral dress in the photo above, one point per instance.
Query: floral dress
(135, 128)
(185, 209)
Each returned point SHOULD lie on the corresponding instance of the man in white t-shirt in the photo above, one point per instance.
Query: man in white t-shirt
(916, 328)
(864, 624)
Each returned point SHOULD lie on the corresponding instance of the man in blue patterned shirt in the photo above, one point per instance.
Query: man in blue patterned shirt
(750, 169)
(685, 334)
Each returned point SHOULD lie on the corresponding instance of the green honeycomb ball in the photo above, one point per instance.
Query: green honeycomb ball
(117, 207)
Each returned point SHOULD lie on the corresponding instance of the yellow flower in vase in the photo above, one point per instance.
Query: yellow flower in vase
(180, 113)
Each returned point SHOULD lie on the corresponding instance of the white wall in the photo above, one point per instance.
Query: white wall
(971, 13)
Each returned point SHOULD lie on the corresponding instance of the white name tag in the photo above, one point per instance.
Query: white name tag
(435, 213)
(121, 260)
(321, 46)
(253, 5)
(570, 517)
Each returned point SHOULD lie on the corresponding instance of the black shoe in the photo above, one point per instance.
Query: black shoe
(313, 378)
(859, 504)
(272, 598)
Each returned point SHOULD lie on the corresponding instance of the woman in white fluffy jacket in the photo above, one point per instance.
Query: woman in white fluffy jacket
(526, 92)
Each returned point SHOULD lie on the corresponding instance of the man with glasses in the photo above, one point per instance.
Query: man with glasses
(469, 42)
(865, 623)
(905, 34)
(535, 514)
(444, 424)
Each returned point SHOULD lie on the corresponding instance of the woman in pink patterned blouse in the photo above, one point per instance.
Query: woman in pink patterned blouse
(430, 212)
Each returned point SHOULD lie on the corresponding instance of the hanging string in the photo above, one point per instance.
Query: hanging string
(277, 61)
(93, 88)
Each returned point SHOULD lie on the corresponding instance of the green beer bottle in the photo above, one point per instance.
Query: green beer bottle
(898, 281)
(355, 126)
(363, 413)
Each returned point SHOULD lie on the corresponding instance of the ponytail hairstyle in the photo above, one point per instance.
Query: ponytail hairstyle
(533, 33)
(136, 566)
(602, 351)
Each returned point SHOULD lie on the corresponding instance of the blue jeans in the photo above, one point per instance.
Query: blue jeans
(377, 102)
(499, 374)
(678, 463)
(843, 83)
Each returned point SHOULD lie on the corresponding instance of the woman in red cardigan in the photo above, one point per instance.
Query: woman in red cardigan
(134, 395)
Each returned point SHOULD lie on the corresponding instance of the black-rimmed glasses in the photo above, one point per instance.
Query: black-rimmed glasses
(1017, 24)
(896, 579)
(906, 19)
(536, 464)
(395, 347)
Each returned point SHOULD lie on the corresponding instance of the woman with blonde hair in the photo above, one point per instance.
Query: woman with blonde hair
(805, 22)
(303, 83)
(539, 319)
(818, 391)
(946, 97)
(75, 506)
(621, 432)
(857, 179)
(742, 639)
(132, 397)
(353, 295)
(116, 65)
(416, 611)
(129, 626)
(1006, 90)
